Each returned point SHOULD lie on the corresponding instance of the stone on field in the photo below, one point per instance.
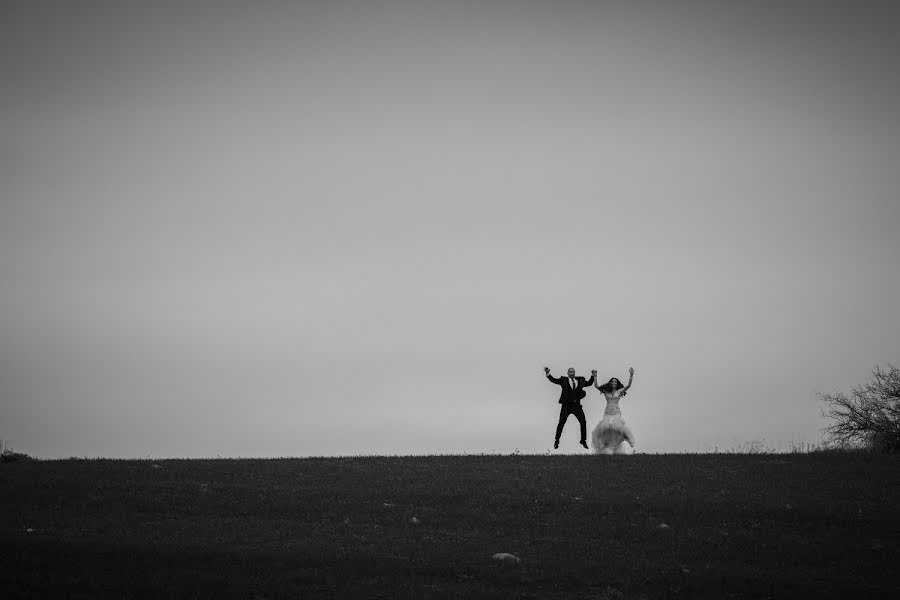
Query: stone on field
(507, 558)
(663, 526)
(414, 521)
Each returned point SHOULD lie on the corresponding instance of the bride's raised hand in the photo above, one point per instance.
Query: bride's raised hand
(630, 371)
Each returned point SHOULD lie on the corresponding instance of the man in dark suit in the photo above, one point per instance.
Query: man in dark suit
(570, 399)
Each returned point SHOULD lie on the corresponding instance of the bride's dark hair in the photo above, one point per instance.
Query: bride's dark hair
(610, 386)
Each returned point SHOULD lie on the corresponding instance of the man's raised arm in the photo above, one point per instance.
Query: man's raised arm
(556, 380)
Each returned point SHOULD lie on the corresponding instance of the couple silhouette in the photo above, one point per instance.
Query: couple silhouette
(611, 431)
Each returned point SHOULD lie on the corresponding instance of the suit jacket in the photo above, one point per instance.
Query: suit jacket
(567, 394)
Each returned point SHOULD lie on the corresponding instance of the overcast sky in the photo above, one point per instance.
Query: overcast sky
(286, 228)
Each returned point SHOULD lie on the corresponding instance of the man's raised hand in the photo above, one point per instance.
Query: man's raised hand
(594, 372)
(546, 370)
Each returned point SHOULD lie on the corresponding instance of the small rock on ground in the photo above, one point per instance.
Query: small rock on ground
(507, 558)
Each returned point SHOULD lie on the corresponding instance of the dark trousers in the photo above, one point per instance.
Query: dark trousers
(570, 408)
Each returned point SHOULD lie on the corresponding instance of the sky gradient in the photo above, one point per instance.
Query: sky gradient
(283, 229)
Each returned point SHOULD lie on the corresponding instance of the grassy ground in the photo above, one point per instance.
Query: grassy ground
(583, 526)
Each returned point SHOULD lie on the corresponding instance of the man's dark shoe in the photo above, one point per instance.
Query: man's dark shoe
(556, 444)
(583, 443)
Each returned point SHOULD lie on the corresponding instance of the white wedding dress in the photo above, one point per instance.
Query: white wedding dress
(611, 432)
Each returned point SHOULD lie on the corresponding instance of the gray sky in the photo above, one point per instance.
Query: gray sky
(283, 228)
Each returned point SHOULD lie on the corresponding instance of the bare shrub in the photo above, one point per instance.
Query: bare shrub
(869, 416)
(7, 454)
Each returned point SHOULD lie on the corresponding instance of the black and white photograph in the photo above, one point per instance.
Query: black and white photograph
(449, 299)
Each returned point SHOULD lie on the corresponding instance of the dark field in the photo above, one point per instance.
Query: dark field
(584, 526)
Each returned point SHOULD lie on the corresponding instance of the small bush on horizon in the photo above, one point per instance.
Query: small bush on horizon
(8, 455)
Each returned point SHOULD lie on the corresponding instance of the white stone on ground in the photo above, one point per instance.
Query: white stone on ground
(507, 558)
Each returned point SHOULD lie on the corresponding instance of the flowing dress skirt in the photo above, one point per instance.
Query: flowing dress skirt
(609, 434)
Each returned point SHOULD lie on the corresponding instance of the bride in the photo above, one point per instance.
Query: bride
(611, 431)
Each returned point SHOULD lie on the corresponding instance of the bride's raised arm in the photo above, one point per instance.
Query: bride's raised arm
(630, 378)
